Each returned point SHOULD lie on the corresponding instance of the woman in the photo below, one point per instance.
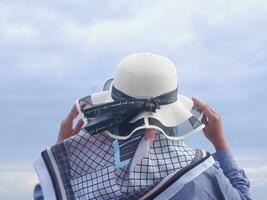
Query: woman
(222, 179)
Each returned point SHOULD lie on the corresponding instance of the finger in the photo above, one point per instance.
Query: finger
(65, 124)
(72, 114)
(203, 107)
(78, 127)
(204, 120)
(150, 133)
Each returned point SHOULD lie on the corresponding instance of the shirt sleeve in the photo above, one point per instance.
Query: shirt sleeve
(37, 192)
(236, 175)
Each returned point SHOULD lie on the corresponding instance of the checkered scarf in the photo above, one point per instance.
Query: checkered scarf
(100, 167)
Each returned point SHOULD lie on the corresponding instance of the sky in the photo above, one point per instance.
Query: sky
(53, 52)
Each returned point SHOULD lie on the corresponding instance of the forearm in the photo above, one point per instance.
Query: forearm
(236, 175)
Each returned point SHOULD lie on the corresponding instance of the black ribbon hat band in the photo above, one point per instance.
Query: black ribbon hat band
(124, 102)
(122, 109)
(162, 99)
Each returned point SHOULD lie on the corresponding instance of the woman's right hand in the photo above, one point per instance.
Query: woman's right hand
(213, 122)
(66, 127)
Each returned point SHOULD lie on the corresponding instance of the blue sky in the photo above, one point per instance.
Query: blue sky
(52, 52)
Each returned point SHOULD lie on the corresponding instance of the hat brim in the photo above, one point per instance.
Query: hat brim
(181, 117)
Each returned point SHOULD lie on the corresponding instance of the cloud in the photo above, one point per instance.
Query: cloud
(188, 32)
(17, 179)
(17, 184)
(254, 164)
(18, 33)
(257, 175)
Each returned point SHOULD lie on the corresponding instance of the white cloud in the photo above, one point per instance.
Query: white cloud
(257, 175)
(17, 33)
(17, 180)
(17, 184)
(255, 166)
(179, 29)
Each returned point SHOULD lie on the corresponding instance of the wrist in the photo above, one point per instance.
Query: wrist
(220, 144)
(60, 138)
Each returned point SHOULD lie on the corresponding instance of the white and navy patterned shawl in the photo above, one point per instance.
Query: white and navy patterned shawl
(99, 167)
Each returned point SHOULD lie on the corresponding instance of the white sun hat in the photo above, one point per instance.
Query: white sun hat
(143, 94)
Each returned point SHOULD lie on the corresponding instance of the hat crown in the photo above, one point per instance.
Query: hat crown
(145, 75)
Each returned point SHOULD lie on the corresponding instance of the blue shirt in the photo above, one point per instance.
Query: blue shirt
(224, 180)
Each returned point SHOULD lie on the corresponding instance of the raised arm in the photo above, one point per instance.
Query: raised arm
(214, 133)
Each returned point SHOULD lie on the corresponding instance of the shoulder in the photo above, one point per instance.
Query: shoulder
(204, 186)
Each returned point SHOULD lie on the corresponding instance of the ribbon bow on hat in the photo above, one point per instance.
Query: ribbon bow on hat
(123, 108)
